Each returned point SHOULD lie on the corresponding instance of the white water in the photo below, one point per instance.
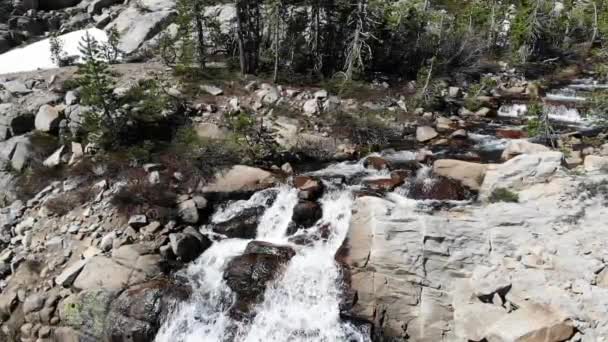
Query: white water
(38, 55)
(301, 305)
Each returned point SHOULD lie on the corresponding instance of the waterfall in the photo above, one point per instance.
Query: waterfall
(301, 305)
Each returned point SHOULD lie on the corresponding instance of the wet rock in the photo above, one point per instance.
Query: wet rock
(309, 188)
(377, 163)
(306, 213)
(470, 175)
(510, 133)
(596, 164)
(139, 311)
(517, 147)
(247, 275)
(243, 226)
(426, 133)
(438, 188)
(188, 247)
(384, 184)
(263, 247)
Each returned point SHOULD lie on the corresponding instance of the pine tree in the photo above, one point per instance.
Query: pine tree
(96, 88)
(57, 53)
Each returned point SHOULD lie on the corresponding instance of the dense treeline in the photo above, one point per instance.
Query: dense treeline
(409, 38)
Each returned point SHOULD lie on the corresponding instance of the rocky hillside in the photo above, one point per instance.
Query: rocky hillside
(161, 196)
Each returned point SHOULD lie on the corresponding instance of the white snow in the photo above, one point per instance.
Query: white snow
(38, 55)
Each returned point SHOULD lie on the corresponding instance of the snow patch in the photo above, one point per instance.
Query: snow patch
(38, 55)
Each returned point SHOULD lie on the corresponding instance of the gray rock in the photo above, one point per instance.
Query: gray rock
(157, 5)
(48, 118)
(521, 146)
(425, 133)
(72, 97)
(33, 303)
(95, 275)
(69, 274)
(138, 221)
(310, 107)
(188, 212)
(16, 87)
(213, 90)
(21, 156)
(136, 27)
(60, 156)
(188, 247)
(596, 164)
(13, 121)
(96, 6)
(470, 175)
(523, 170)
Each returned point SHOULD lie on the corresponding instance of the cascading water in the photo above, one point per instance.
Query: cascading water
(301, 305)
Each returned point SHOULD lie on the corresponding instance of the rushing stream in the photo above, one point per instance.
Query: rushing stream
(301, 305)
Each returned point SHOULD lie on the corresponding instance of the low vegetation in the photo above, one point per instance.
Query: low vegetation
(503, 195)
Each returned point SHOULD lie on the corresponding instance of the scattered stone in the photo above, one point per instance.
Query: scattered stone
(310, 107)
(425, 133)
(213, 90)
(138, 221)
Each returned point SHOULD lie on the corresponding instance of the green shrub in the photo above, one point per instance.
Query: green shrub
(503, 195)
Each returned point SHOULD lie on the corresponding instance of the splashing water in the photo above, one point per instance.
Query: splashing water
(301, 305)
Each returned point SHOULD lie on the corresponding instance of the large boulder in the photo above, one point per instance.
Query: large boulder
(520, 146)
(13, 121)
(468, 174)
(247, 275)
(138, 312)
(48, 118)
(306, 213)
(243, 225)
(107, 315)
(520, 172)
(135, 27)
(596, 164)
